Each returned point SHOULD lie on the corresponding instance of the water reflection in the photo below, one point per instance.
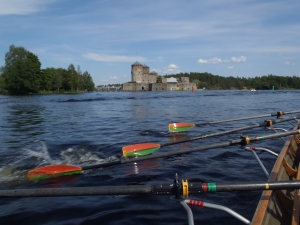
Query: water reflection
(178, 136)
(25, 117)
(23, 122)
(143, 167)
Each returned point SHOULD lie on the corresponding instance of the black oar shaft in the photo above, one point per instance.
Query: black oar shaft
(206, 147)
(88, 167)
(247, 118)
(184, 151)
(77, 191)
(270, 185)
(264, 124)
(159, 189)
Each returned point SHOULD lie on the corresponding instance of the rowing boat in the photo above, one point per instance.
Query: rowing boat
(282, 206)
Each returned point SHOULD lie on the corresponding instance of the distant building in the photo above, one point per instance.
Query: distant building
(143, 80)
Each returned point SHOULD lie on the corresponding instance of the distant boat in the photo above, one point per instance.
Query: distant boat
(252, 89)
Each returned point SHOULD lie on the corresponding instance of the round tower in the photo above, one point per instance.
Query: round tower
(137, 72)
(146, 69)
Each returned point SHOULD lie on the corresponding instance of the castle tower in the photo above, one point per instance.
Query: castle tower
(146, 69)
(137, 71)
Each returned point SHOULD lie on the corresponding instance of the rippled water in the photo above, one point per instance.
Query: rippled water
(93, 127)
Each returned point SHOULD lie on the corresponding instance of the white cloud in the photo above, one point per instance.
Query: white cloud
(172, 68)
(288, 63)
(238, 59)
(113, 77)
(113, 58)
(230, 67)
(210, 61)
(217, 60)
(22, 7)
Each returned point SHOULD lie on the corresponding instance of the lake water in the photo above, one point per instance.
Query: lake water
(90, 128)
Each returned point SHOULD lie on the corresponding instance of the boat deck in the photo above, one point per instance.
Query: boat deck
(281, 207)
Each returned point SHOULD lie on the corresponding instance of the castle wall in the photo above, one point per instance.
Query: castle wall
(152, 78)
(142, 80)
(130, 86)
(146, 78)
(185, 79)
(158, 87)
(186, 86)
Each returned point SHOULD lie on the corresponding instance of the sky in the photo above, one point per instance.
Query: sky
(239, 38)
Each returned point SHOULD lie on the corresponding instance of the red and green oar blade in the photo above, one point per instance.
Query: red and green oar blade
(140, 149)
(179, 127)
(53, 171)
(183, 126)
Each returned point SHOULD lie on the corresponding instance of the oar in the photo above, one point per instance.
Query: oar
(183, 189)
(59, 170)
(179, 127)
(148, 148)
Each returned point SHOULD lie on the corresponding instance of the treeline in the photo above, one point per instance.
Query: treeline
(22, 74)
(110, 85)
(210, 81)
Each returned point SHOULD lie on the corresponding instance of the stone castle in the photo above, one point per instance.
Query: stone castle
(143, 80)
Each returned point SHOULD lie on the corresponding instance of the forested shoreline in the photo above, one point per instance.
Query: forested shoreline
(215, 82)
(22, 74)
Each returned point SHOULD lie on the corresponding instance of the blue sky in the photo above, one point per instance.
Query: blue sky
(244, 38)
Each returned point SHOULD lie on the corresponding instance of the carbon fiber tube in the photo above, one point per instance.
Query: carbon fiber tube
(246, 118)
(159, 189)
(184, 151)
(77, 191)
(263, 124)
(270, 185)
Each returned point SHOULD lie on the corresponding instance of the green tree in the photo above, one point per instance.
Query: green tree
(159, 79)
(88, 82)
(58, 79)
(48, 78)
(2, 79)
(22, 71)
(78, 79)
(72, 77)
(2, 83)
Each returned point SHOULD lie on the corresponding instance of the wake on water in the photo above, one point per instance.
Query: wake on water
(37, 155)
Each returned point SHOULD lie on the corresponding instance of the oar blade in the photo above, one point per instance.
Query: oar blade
(179, 127)
(139, 149)
(53, 171)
